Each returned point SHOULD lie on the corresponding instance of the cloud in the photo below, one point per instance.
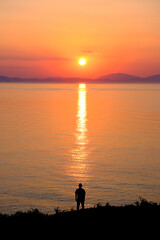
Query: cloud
(33, 58)
(88, 52)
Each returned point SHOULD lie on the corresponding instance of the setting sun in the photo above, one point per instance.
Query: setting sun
(82, 61)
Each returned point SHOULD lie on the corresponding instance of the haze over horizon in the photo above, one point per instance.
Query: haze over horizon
(46, 38)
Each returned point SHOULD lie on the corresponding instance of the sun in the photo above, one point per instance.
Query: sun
(82, 61)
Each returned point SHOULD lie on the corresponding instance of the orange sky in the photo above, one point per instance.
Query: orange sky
(44, 38)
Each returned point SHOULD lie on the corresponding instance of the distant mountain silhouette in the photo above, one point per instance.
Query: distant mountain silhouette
(43, 80)
(126, 78)
(153, 77)
(120, 77)
(110, 78)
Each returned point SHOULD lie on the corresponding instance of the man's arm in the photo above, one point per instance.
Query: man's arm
(76, 195)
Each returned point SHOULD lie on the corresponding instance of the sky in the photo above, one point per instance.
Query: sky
(46, 38)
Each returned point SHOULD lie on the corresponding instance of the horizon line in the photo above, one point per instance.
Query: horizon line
(63, 77)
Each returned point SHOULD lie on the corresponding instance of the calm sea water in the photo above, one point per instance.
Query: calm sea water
(53, 136)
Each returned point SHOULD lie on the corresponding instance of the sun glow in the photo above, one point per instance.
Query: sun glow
(82, 86)
(82, 61)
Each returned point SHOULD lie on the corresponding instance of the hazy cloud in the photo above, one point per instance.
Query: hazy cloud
(33, 58)
(88, 52)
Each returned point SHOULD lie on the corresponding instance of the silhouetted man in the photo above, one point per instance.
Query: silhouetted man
(80, 196)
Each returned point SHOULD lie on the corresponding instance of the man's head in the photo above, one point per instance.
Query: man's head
(80, 185)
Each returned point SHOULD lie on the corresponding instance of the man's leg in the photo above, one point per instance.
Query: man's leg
(78, 203)
(82, 204)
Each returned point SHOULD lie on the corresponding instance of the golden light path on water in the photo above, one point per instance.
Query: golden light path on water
(81, 136)
(79, 166)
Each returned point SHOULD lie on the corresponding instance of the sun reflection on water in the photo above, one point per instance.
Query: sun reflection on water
(79, 166)
(81, 136)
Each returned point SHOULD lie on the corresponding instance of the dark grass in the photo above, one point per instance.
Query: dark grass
(140, 220)
(139, 212)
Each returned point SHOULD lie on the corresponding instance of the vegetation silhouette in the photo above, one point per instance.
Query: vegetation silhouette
(140, 212)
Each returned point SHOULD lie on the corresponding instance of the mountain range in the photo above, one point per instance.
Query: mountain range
(110, 78)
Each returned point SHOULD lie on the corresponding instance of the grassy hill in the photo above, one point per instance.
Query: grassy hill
(139, 211)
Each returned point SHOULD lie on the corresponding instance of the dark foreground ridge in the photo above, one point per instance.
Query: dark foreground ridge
(141, 212)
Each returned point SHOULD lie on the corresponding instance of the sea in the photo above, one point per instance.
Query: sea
(55, 136)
